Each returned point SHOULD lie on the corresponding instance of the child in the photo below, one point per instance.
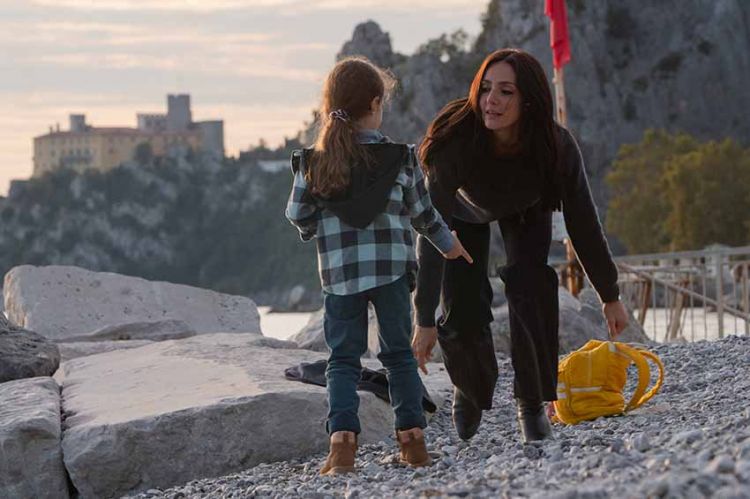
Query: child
(358, 194)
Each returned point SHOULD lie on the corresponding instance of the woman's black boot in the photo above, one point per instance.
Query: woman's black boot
(466, 415)
(532, 420)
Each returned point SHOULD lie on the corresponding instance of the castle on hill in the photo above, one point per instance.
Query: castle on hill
(86, 147)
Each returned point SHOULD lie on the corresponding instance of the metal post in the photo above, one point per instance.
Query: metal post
(692, 307)
(719, 291)
(704, 292)
(746, 296)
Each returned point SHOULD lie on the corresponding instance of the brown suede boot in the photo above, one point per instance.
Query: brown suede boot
(341, 456)
(413, 448)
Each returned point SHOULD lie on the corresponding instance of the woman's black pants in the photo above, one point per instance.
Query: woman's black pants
(531, 289)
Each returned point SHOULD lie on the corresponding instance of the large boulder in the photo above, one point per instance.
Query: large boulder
(297, 299)
(25, 354)
(370, 41)
(498, 292)
(312, 336)
(31, 463)
(591, 308)
(205, 406)
(170, 329)
(62, 302)
(73, 349)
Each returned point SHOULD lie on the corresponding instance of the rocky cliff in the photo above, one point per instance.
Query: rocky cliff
(190, 221)
(674, 64)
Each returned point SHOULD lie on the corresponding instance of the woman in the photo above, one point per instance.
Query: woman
(499, 156)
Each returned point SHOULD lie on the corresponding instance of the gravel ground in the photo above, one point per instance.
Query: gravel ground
(691, 440)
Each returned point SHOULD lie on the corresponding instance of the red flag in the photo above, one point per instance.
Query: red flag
(558, 31)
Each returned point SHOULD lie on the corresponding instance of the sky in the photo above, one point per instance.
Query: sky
(256, 64)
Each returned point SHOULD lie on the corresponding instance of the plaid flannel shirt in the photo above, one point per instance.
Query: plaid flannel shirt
(352, 260)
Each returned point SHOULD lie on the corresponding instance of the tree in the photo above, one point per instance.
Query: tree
(638, 208)
(708, 191)
(672, 193)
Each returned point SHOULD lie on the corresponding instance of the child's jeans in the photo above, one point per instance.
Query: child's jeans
(345, 325)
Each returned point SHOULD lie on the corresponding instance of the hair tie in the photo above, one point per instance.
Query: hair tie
(339, 114)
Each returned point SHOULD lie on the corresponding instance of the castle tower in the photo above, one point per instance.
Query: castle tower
(179, 116)
(77, 123)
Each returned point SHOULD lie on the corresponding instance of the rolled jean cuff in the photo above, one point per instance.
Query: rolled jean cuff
(409, 423)
(334, 425)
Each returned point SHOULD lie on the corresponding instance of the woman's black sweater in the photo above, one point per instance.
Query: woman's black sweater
(493, 188)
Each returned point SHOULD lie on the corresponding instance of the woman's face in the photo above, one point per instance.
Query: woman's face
(499, 99)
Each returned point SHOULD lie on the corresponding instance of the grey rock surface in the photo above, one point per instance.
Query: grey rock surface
(312, 337)
(371, 41)
(31, 463)
(74, 349)
(61, 302)
(205, 406)
(170, 329)
(25, 354)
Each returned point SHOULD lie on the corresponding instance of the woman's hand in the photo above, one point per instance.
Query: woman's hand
(617, 318)
(422, 344)
(458, 250)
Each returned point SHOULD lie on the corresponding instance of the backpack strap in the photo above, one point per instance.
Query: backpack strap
(295, 160)
(299, 161)
(657, 386)
(412, 148)
(639, 357)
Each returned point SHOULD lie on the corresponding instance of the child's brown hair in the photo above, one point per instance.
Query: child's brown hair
(348, 92)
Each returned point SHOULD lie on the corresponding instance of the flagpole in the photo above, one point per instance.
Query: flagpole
(560, 44)
(574, 272)
(562, 114)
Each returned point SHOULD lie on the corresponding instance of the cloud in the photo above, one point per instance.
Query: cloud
(132, 34)
(190, 63)
(132, 47)
(290, 6)
(50, 99)
(93, 34)
(110, 61)
(162, 5)
(392, 5)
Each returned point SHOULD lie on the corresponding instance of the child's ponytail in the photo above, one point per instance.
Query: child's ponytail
(348, 92)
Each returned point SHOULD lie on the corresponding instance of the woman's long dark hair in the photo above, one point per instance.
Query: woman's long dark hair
(538, 132)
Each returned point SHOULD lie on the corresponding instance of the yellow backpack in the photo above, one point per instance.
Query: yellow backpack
(591, 381)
